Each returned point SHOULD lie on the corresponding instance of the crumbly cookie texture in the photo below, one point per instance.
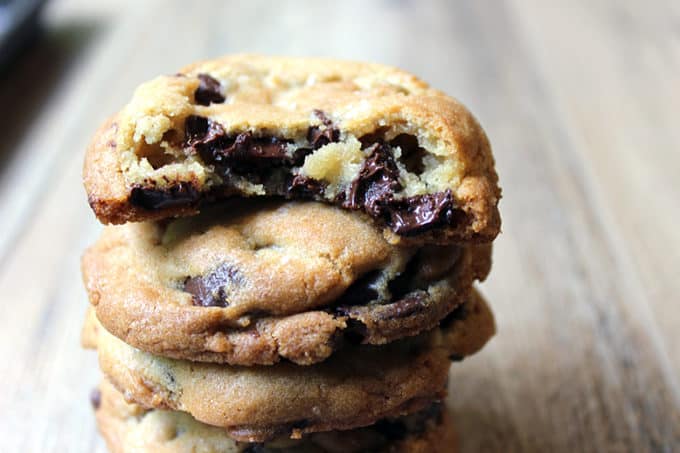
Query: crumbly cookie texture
(128, 427)
(251, 282)
(354, 388)
(362, 136)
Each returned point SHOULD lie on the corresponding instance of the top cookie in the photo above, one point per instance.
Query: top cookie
(362, 136)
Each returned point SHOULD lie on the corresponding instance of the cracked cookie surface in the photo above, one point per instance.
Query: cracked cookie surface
(253, 281)
(362, 136)
(128, 427)
(354, 388)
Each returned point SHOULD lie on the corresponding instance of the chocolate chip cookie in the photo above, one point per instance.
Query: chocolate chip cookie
(366, 137)
(254, 281)
(356, 387)
(129, 427)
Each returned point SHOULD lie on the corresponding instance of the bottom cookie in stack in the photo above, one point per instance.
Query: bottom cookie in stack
(356, 387)
(128, 427)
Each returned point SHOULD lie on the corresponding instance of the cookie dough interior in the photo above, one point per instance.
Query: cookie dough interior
(395, 172)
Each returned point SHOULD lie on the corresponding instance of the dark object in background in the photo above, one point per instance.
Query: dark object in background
(18, 26)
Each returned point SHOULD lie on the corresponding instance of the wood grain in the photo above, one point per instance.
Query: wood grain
(580, 100)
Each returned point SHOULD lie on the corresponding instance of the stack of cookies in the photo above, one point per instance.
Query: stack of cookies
(290, 259)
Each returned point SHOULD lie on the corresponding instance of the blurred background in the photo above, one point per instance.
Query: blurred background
(581, 101)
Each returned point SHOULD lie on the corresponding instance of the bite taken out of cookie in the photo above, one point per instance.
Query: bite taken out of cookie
(364, 137)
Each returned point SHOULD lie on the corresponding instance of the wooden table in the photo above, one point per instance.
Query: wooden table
(582, 104)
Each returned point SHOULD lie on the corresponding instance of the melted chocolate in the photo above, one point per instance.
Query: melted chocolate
(270, 161)
(209, 91)
(210, 290)
(201, 131)
(407, 290)
(181, 194)
(242, 153)
(321, 136)
(403, 308)
(206, 137)
(377, 136)
(304, 187)
(373, 191)
(420, 213)
(378, 179)
(255, 153)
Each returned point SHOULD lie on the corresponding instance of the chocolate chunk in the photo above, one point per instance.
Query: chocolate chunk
(373, 190)
(299, 156)
(241, 154)
(96, 398)
(200, 131)
(377, 136)
(320, 136)
(269, 161)
(206, 137)
(211, 290)
(209, 91)
(180, 194)
(251, 152)
(420, 213)
(374, 187)
(304, 187)
(456, 357)
(413, 303)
